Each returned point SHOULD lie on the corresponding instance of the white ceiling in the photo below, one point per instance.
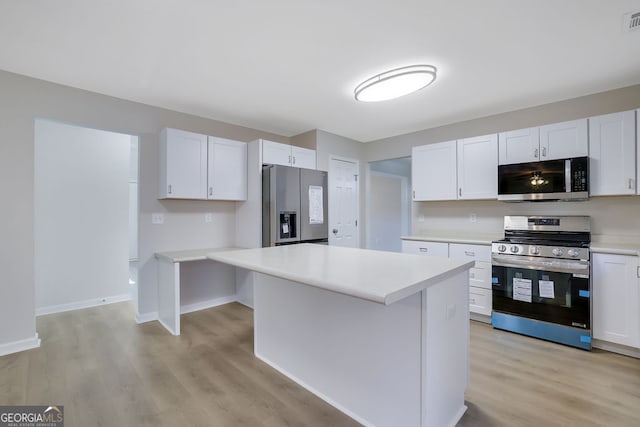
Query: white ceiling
(289, 66)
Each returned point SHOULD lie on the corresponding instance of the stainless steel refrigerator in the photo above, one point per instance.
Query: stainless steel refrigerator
(294, 205)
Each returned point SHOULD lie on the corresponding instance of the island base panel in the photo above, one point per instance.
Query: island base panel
(374, 362)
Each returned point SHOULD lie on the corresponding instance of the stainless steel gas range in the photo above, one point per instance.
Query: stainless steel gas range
(541, 278)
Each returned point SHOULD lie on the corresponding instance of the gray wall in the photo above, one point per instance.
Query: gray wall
(23, 100)
(592, 105)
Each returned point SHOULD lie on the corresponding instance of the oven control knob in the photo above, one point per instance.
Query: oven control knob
(515, 249)
(502, 248)
(573, 253)
(557, 251)
(534, 250)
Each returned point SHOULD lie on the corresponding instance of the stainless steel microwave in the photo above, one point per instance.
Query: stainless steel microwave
(562, 179)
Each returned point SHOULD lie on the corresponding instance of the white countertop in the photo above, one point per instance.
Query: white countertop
(190, 254)
(617, 245)
(456, 237)
(382, 277)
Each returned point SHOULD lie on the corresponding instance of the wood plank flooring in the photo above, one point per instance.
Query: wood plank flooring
(108, 371)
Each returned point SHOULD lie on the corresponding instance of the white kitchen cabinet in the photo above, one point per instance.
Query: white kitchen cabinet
(519, 146)
(227, 169)
(612, 154)
(478, 167)
(479, 275)
(303, 157)
(275, 153)
(637, 150)
(549, 142)
(564, 140)
(425, 248)
(616, 299)
(433, 171)
(183, 165)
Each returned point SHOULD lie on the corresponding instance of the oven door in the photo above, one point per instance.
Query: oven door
(546, 289)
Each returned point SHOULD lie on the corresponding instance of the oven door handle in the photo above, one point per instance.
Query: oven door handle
(532, 263)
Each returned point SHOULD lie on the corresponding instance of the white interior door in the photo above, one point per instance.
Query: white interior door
(343, 203)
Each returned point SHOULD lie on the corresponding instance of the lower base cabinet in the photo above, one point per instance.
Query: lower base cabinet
(616, 299)
(479, 275)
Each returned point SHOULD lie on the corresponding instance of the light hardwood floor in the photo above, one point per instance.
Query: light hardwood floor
(108, 371)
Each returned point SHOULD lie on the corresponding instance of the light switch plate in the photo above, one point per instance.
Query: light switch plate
(208, 217)
(157, 218)
(473, 217)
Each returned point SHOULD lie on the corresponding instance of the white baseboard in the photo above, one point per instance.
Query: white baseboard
(480, 317)
(322, 396)
(146, 317)
(246, 304)
(616, 348)
(82, 304)
(203, 305)
(21, 345)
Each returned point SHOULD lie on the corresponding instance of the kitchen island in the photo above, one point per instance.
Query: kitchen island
(384, 337)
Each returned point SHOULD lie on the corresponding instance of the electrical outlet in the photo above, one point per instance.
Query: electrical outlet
(208, 217)
(473, 217)
(157, 218)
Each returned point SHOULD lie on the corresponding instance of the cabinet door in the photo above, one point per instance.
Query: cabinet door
(274, 153)
(637, 150)
(227, 169)
(480, 300)
(303, 157)
(612, 154)
(615, 299)
(478, 167)
(425, 248)
(183, 165)
(519, 146)
(433, 171)
(563, 140)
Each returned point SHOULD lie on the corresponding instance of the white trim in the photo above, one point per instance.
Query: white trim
(330, 193)
(616, 348)
(480, 317)
(246, 304)
(82, 304)
(20, 345)
(203, 305)
(314, 391)
(146, 317)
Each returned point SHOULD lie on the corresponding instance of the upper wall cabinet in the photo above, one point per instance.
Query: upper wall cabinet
(564, 140)
(478, 167)
(519, 146)
(555, 141)
(194, 166)
(183, 165)
(276, 153)
(433, 171)
(227, 169)
(612, 154)
(463, 169)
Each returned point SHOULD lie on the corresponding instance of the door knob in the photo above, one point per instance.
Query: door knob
(335, 231)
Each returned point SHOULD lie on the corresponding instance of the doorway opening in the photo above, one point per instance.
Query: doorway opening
(85, 216)
(388, 203)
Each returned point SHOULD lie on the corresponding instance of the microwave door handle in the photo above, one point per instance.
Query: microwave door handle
(567, 175)
(534, 264)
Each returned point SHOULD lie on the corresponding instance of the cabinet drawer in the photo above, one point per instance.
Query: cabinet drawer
(480, 275)
(425, 248)
(480, 300)
(470, 252)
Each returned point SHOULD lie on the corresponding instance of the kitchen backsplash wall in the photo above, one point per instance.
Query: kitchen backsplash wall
(617, 217)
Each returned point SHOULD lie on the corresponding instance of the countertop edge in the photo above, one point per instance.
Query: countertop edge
(463, 240)
(191, 254)
(385, 299)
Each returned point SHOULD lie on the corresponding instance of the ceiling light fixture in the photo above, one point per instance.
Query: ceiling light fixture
(395, 83)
